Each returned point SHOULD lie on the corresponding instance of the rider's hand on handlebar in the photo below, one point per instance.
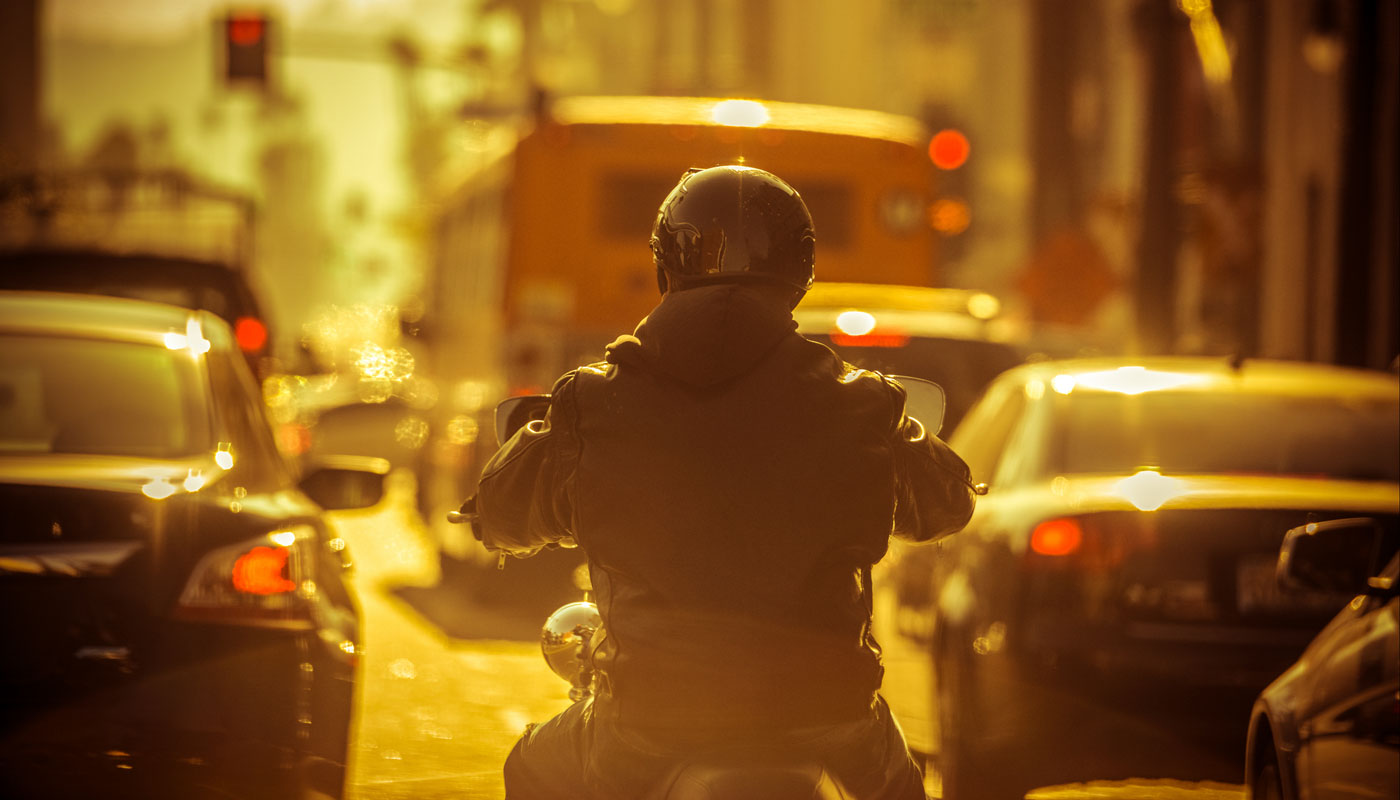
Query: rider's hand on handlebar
(467, 514)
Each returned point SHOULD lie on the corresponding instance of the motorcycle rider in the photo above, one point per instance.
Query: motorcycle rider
(731, 484)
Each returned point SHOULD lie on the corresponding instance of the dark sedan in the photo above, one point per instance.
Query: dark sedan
(177, 618)
(1329, 726)
(1111, 610)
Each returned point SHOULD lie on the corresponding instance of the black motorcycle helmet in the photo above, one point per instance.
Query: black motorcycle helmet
(733, 223)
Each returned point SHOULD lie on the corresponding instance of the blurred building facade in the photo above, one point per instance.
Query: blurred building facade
(1269, 191)
(19, 86)
(1330, 197)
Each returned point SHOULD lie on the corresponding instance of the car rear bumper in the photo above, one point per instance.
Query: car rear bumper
(1163, 656)
(222, 712)
(1059, 722)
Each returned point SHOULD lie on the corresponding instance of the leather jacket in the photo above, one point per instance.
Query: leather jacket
(731, 483)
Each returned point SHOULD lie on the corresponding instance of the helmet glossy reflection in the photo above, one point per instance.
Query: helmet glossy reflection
(733, 223)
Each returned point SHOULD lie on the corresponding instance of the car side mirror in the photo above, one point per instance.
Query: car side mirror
(925, 401)
(514, 413)
(338, 483)
(1338, 555)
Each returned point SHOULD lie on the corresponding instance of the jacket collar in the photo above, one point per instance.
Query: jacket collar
(706, 335)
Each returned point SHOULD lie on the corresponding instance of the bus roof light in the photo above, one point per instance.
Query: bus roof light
(740, 113)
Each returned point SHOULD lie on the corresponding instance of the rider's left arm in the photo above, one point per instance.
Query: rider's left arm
(522, 499)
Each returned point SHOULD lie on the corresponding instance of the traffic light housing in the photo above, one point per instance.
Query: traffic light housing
(951, 212)
(246, 36)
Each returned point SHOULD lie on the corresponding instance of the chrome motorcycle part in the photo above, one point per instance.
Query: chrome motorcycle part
(565, 643)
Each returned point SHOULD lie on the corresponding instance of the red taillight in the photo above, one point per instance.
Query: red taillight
(251, 334)
(263, 581)
(261, 571)
(872, 339)
(1057, 537)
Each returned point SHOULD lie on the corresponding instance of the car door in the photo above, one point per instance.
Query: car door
(1350, 731)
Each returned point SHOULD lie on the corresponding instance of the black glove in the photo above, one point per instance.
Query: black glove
(467, 513)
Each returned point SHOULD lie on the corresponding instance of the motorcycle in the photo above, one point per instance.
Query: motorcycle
(570, 633)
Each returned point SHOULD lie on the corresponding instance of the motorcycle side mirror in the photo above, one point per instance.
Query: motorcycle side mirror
(340, 482)
(925, 401)
(514, 413)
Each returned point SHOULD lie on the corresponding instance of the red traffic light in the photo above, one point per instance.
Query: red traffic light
(245, 48)
(949, 149)
(246, 31)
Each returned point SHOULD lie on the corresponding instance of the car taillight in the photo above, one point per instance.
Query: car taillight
(263, 570)
(1096, 543)
(264, 581)
(251, 334)
(1057, 537)
(872, 339)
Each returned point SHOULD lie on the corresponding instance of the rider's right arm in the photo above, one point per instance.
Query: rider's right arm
(522, 499)
(933, 487)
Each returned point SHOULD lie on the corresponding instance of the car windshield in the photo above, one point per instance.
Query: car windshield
(1215, 433)
(70, 395)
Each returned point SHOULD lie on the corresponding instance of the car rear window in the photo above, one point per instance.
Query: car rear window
(83, 396)
(1217, 433)
(188, 284)
(963, 367)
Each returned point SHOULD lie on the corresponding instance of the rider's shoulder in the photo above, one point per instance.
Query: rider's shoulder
(571, 381)
(869, 379)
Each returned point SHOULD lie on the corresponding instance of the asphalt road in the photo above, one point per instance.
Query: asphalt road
(439, 711)
(436, 713)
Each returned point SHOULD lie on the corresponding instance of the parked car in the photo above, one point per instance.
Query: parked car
(953, 337)
(1110, 610)
(178, 621)
(1329, 726)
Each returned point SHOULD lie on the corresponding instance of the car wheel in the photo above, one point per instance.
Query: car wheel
(965, 767)
(1266, 783)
